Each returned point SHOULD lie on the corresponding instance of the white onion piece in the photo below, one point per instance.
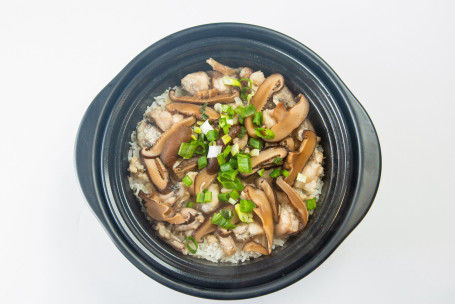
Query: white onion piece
(205, 127)
(301, 178)
(232, 201)
(214, 151)
(254, 152)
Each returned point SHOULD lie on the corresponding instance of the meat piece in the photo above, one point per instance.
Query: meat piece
(217, 83)
(306, 125)
(171, 239)
(257, 78)
(245, 72)
(285, 96)
(228, 245)
(177, 196)
(241, 142)
(312, 171)
(163, 119)
(198, 220)
(137, 169)
(147, 134)
(244, 232)
(194, 82)
(209, 207)
(288, 222)
(267, 119)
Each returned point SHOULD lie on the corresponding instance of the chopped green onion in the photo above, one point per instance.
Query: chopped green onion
(240, 120)
(193, 137)
(264, 133)
(232, 82)
(199, 123)
(223, 218)
(277, 160)
(227, 109)
(257, 120)
(235, 149)
(233, 185)
(285, 173)
(190, 205)
(193, 240)
(207, 197)
(246, 205)
(187, 150)
(226, 167)
(244, 217)
(228, 175)
(233, 163)
(202, 162)
(197, 130)
(221, 159)
(187, 180)
(242, 132)
(200, 197)
(255, 143)
(248, 98)
(204, 116)
(226, 151)
(232, 201)
(311, 203)
(275, 173)
(244, 163)
(261, 172)
(250, 82)
(212, 135)
(234, 194)
(226, 138)
(224, 197)
(245, 111)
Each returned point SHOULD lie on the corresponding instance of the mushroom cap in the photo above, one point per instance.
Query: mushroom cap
(267, 155)
(162, 141)
(255, 247)
(271, 84)
(185, 166)
(161, 212)
(223, 69)
(296, 161)
(203, 180)
(210, 97)
(264, 185)
(263, 210)
(157, 174)
(169, 153)
(295, 199)
(288, 143)
(287, 121)
(192, 110)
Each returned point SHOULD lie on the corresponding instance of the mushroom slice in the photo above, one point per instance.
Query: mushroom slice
(157, 174)
(263, 210)
(169, 153)
(210, 97)
(271, 196)
(155, 209)
(287, 121)
(272, 84)
(296, 161)
(255, 247)
(192, 110)
(288, 143)
(162, 141)
(185, 166)
(206, 228)
(295, 199)
(223, 69)
(203, 180)
(265, 158)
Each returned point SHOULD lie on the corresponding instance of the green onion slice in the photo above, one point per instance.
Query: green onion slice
(255, 143)
(311, 203)
(190, 205)
(202, 162)
(264, 133)
(234, 194)
(285, 173)
(224, 197)
(187, 181)
(246, 111)
(223, 218)
(187, 150)
(247, 205)
(212, 135)
(242, 132)
(257, 120)
(277, 160)
(226, 167)
(261, 172)
(244, 163)
(193, 240)
(275, 173)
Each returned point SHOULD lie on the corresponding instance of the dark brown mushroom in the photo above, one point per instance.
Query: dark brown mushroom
(262, 184)
(161, 212)
(163, 140)
(266, 157)
(263, 210)
(210, 97)
(295, 200)
(223, 69)
(288, 143)
(296, 161)
(203, 180)
(192, 110)
(206, 228)
(157, 174)
(255, 247)
(185, 166)
(287, 121)
(272, 84)
(169, 153)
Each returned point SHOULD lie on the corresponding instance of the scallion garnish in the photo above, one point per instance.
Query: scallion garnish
(226, 151)
(226, 138)
(257, 120)
(242, 132)
(245, 111)
(244, 163)
(226, 167)
(285, 173)
(221, 159)
(193, 240)
(204, 116)
(228, 109)
(212, 135)
(255, 143)
(224, 197)
(277, 160)
(244, 217)
(261, 172)
(202, 162)
(223, 218)
(233, 185)
(187, 150)
(187, 180)
(232, 82)
(207, 197)
(233, 163)
(189, 205)
(234, 194)
(246, 205)
(228, 175)
(264, 133)
(275, 173)
(200, 197)
(311, 203)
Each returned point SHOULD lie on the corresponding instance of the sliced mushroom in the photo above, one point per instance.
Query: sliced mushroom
(157, 174)
(161, 212)
(265, 159)
(210, 97)
(163, 140)
(288, 143)
(169, 153)
(287, 121)
(192, 225)
(263, 210)
(295, 200)
(206, 228)
(185, 166)
(203, 181)
(225, 70)
(192, 110)
(272, 84)
(255, 247)
(296, 161)
(262, 184)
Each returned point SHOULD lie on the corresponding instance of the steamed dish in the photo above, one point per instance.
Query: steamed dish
(226, 166)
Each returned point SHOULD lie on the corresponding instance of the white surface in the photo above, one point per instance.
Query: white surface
(396, 57)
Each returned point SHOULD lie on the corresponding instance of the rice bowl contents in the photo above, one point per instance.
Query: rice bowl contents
(227, 166)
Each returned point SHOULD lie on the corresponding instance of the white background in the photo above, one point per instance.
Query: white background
(396, 57)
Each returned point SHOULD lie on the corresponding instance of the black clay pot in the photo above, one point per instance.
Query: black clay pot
(352, 164)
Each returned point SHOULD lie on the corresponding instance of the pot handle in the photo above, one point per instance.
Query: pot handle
(84, 156)
(371, 163)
